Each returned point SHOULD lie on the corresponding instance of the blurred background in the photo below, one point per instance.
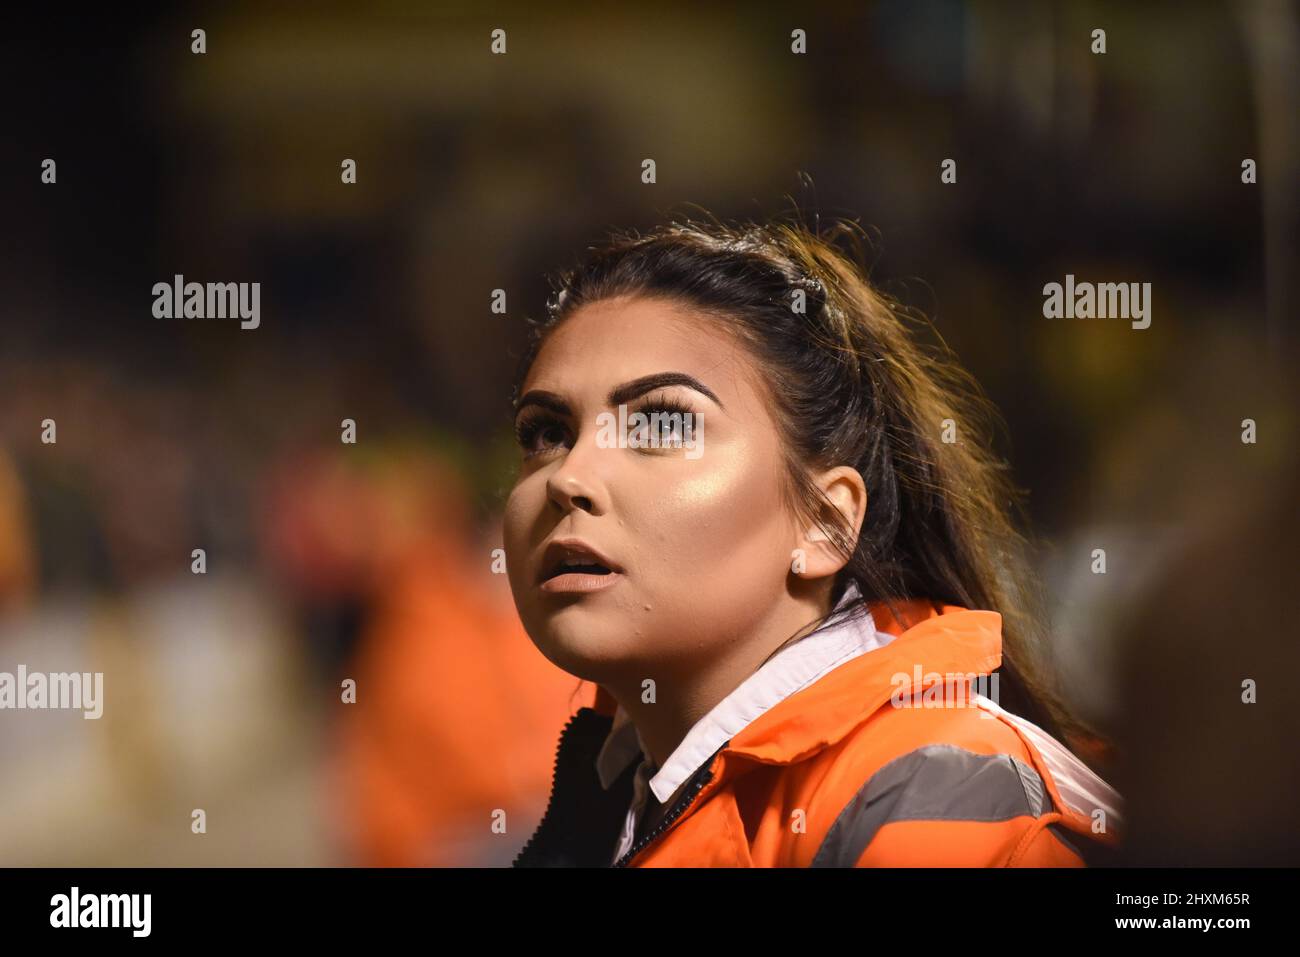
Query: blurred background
(373, 561)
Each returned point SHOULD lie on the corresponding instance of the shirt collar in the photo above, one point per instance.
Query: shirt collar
(788, 671)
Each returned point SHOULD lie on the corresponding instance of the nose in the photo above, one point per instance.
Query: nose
(577, 483)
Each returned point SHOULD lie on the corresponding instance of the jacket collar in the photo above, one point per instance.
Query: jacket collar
(931, 642)
(847, 668)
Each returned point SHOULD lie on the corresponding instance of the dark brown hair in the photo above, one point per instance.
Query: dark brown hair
(851, 383)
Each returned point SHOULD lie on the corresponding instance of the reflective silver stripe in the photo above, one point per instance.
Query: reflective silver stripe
(1078, 785)
(939, 782)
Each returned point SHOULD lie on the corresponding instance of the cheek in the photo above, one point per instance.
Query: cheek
(518, 521)
(723, 522)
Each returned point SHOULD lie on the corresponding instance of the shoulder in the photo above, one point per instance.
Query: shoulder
(940, 787)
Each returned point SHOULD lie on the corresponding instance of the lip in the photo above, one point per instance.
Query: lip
(577, 583)
(560, 549)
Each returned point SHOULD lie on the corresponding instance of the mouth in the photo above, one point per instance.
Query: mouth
(571, 565)
(574, 567)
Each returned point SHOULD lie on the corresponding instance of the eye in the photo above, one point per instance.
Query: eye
(671, 423)
(540, 433)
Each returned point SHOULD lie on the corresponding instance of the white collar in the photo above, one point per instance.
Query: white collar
(791, 669)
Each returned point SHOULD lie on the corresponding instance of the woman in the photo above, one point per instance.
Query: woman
(767, 524)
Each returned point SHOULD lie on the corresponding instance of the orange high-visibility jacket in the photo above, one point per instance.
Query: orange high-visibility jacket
(881, 762)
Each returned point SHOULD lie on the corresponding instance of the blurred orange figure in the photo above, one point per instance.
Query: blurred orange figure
(445, 758)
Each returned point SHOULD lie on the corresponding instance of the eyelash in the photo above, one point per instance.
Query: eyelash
(530, 426)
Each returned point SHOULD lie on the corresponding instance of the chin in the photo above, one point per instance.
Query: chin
(587, 649)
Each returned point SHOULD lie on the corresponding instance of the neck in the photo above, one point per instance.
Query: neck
(687, 693)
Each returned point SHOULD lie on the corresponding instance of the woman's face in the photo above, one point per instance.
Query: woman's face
(680, 550)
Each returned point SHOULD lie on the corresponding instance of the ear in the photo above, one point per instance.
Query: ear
(847, 492)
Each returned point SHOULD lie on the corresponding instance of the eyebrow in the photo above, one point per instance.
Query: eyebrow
(621, 393)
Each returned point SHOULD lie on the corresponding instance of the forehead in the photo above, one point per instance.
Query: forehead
(605, 343)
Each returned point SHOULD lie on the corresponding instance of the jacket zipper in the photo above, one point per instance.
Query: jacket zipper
(676, 811)
(550, 801)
